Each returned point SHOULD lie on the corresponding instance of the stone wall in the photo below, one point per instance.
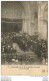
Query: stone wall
(33, 14)
(22, 10)
(42, 19)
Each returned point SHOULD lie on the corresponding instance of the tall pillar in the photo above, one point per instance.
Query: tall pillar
(42, 23)
(26, 28)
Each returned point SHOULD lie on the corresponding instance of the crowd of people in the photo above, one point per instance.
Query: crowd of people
(25, 42)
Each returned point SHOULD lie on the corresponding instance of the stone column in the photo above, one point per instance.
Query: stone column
(42, 25)
(26, 26)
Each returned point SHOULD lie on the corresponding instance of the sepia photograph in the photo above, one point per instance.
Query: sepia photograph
(24, 33)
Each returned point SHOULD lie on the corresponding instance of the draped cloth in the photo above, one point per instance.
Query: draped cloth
(16, 47)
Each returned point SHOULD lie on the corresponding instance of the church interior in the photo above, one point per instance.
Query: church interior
(24, 32)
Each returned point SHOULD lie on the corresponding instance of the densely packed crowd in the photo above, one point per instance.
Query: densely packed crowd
(25, 42)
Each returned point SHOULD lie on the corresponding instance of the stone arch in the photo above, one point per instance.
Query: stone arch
(27, 10)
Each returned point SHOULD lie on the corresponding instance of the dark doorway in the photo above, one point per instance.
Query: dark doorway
(11, 25)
